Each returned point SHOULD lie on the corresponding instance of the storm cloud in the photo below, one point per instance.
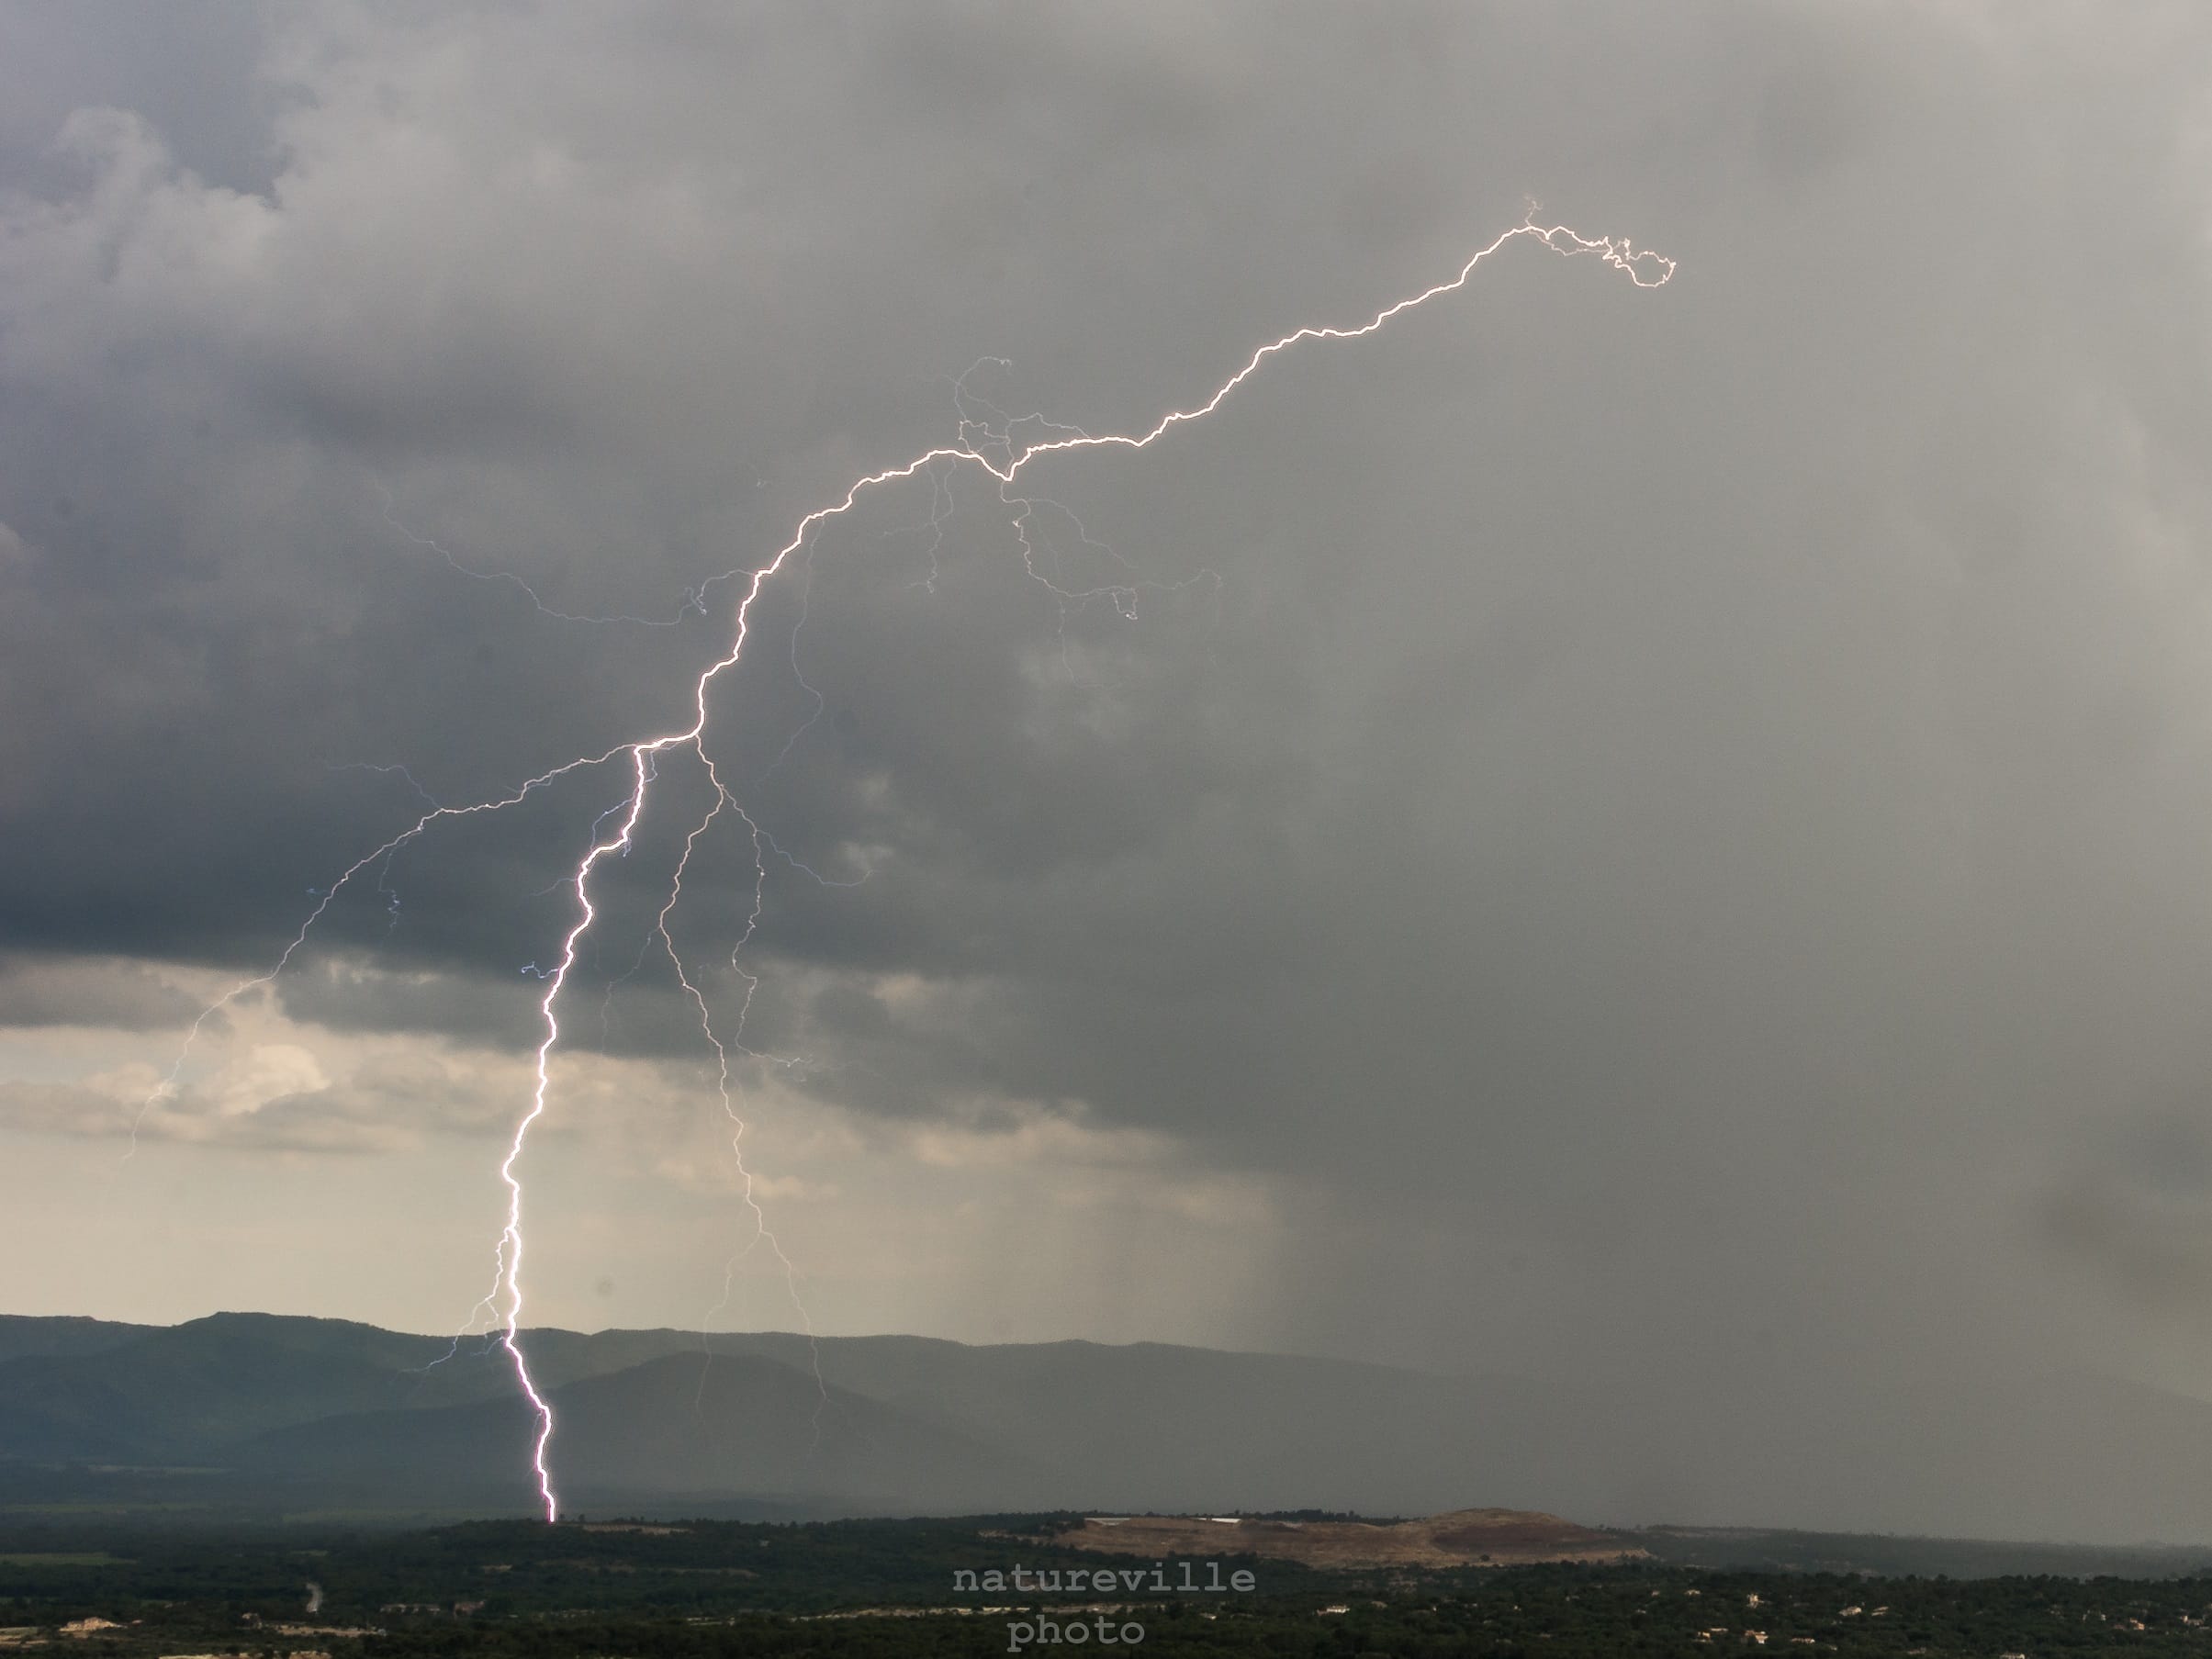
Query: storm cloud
(1658, 832)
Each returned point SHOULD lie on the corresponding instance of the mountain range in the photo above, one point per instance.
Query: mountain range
(287, 1415)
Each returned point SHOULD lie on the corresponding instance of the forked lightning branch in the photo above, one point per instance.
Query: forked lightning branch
(992, 450)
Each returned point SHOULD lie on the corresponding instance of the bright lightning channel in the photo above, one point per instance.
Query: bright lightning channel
(1006, 459)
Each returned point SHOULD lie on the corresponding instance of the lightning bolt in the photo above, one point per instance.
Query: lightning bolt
(990, 446)
(694, 598)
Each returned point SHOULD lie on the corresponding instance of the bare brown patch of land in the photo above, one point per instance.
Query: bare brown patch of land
(1462, 1538)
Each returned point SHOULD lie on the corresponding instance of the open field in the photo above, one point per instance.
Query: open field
(57, 1558)
(1462, 1538)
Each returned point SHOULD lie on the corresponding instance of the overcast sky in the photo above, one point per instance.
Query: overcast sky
(1663, 831)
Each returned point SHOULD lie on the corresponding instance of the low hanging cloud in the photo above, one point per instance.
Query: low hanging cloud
(276, 1096)
(115, 992)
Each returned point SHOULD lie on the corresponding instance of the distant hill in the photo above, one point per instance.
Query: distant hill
(329, 1413)
(268, 1415)
(681, 1431)
(182, 1394)
(23, 1335)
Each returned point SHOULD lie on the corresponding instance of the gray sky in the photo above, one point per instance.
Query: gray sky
(1657, 832)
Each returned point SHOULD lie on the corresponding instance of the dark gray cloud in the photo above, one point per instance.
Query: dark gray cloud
(46, 991)
(1700, 793)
